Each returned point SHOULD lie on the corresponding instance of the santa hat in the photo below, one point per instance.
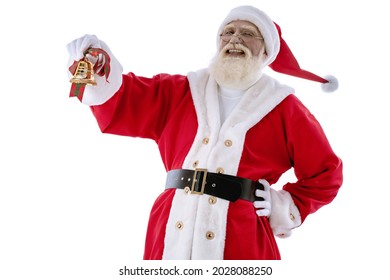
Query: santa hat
(279, 56)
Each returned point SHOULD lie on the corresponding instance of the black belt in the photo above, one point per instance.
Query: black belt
(200, 181)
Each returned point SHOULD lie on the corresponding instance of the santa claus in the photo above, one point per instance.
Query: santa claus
(226, 134)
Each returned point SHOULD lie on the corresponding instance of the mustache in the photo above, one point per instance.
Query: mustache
(237, 46)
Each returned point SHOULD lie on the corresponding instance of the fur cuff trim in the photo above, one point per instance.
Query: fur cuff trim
(285, 215)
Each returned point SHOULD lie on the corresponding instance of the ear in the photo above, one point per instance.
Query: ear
(264, 50)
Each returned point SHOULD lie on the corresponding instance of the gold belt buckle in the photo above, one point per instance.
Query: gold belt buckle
(200, 176)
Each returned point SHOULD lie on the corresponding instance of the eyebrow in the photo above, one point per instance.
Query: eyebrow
(243, 27)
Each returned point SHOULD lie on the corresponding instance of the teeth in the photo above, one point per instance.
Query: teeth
(235, 51)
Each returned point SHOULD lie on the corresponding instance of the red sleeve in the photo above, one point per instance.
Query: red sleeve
(316, 166)
(142, 106)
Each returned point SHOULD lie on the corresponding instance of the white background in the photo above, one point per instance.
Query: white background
(74, 203)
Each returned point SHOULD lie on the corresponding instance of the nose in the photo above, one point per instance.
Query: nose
(235, 39)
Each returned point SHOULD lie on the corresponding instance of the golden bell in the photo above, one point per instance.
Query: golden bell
(84, 73)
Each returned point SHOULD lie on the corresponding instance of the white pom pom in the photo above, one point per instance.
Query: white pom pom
(332, 84)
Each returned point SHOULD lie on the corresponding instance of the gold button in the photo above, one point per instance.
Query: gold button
(187, 189)
(210, 235)
(179, 225)
(205, 140)
(212, 200)
(195, 164)
(228, 143)
(220, 170)
(292, 217)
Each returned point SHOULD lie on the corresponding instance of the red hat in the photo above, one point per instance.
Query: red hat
(286, 63)
(280, 58)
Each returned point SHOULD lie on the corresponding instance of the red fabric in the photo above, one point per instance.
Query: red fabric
(286, 63)
(161, 108)
(292, 137)
(154, 245)
(248, 236)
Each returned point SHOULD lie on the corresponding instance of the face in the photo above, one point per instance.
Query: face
(238, 62)
(243, 33)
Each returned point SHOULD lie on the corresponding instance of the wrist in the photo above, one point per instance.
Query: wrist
(285, 214)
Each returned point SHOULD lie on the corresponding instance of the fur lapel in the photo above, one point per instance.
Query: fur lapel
(256, 103)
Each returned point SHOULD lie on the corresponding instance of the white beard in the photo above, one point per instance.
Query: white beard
(236, 72)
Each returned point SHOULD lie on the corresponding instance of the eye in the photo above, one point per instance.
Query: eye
(228, 32)
(247, 34)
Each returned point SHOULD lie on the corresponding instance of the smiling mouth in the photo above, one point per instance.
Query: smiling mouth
(235, 52)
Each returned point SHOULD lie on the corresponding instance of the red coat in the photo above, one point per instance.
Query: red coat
(270, 131)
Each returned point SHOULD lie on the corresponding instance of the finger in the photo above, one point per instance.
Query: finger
(74, 49)
(262, 204)
(91, 58)
(263, 194)
(78, 46)
(71, 48)
(265, 184)
(263, 212)
(89, 41)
